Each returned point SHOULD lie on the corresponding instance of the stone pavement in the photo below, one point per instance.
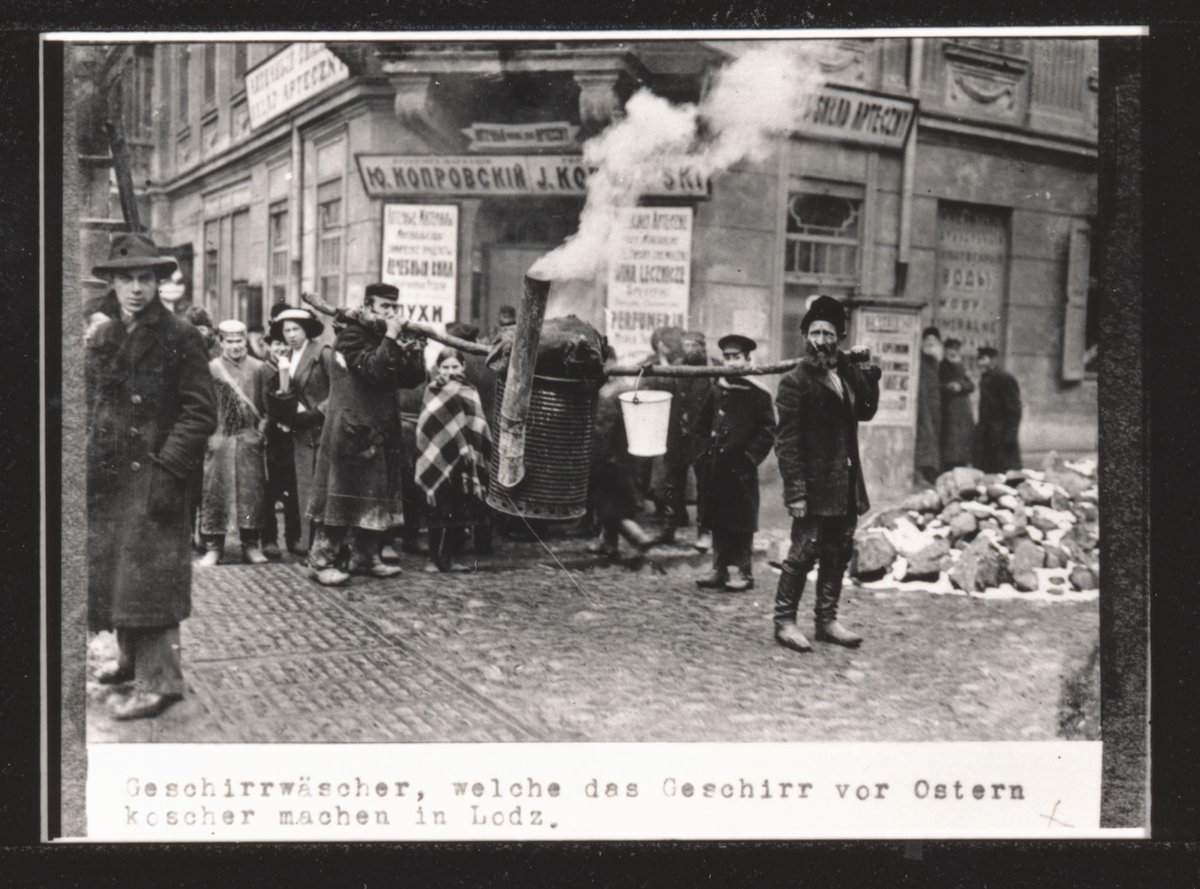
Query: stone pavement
(524, 649)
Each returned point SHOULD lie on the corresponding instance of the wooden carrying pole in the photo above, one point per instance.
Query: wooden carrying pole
(120, 156)
(518, 385)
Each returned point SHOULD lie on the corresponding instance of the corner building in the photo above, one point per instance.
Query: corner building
(943, 181)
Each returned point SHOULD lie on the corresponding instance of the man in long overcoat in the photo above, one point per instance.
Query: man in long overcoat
(821, 403)
(235, 465)
(928, 445)
(150, 410)
(357, 483)
(998, 445)
(734, 432)
(958, 420)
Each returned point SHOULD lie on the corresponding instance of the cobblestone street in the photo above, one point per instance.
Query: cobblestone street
(524, 649)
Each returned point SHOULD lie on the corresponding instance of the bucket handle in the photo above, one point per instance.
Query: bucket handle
(636, 384)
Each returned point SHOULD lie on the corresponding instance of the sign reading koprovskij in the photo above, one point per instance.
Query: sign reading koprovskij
(649, 278)
(294, 74)
(420, 256)
(531, 175)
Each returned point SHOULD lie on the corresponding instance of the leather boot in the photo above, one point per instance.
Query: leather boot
(635, 534)
(211, 557)
(328, 576)
(838, 635)
(703, 542)
(115, 673)
(271, 551)
(713, 580)
(142, 705)
(789, 636)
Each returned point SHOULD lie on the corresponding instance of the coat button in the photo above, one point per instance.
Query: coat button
(135, 465)
(136, 399)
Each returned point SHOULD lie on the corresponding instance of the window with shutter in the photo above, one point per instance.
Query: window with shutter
(1074, 341)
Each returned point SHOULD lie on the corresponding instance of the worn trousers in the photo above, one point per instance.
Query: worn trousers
(153, 656)
(733, 549)
(824, 541)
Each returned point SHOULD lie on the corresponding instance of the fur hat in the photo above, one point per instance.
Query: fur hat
(825, 308)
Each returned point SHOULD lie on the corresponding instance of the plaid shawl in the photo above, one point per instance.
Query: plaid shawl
(452, 433)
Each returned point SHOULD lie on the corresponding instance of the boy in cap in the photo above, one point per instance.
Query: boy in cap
(734, 432)
(821, 402)
(235, 474)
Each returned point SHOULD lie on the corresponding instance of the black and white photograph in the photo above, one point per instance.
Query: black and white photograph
(668, 404)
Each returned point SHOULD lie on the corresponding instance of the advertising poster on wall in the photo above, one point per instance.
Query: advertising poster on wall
(649, 280)
(893, 338)
(420, 256)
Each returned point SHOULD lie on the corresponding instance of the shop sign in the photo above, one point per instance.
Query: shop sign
(851, 116)
(972, 259)
(291, 76)
(420, 256)
(504, 175)
(893, 336)
(520, 136)
(648, 278)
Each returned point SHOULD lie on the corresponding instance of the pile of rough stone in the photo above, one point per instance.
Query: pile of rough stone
(985, 530)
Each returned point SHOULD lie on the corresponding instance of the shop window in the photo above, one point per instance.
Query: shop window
(329, 240)
(824, 233)
(278, 231)
(212, 241)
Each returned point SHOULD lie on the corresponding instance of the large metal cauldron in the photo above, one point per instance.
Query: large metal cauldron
(558, 451)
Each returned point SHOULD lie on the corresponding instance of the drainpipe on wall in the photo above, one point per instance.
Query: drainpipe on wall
(916, 58)
(296, 216)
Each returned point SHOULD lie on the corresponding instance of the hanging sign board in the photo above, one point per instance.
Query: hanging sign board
(521, 136)
(291, 76)
(649, 278)
(505, 175)
(851, 116)
(420, 257)
(893, 337)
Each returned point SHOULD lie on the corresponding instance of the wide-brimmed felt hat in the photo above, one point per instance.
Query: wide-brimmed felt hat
(312, 325)
(737, 341)
(825, 308)
(134, 251)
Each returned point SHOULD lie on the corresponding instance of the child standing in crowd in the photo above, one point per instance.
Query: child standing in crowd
(453, 447)
(612, 488)
(734, 433)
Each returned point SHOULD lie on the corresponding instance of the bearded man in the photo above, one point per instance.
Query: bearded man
(820, 404)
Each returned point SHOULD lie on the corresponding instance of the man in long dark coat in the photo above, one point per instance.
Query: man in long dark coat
(357, 483)
(999, 415)
(734, 433)
(929, 406)
(958, 421)
(821, 403)
(151, 408)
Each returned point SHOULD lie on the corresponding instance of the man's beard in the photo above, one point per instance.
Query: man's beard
(695, 359)
(823, 355)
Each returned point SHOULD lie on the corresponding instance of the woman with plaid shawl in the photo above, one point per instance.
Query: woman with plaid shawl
(453, 448)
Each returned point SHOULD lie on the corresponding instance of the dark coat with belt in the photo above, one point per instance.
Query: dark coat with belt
(999, 420)
(150, 410)
(734, 432)
(958, 420)
(357, 481)
(818, 436)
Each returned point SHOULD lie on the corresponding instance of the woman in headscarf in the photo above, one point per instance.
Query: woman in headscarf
(453, 448)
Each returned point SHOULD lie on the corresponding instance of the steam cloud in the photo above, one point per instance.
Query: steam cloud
(754, 100)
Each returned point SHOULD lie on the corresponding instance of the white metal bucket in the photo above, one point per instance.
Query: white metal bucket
(647, 414)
